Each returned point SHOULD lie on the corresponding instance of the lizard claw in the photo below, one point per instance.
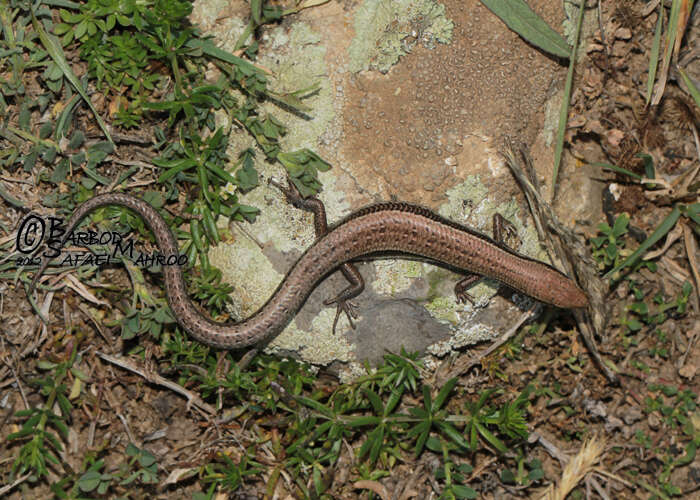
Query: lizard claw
(289, 191)
(462, 286)
(346, 306)
(463, 296)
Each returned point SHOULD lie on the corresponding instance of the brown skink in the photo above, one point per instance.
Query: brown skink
(395, 228)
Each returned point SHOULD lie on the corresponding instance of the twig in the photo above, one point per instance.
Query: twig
(374, 486)
(154, 378)
(97, 324)
(551, 448)
(246, 233)
(17, 481)
(467, 361)
(14, 374)
(567, 252)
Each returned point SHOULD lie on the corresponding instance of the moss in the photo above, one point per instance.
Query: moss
(385, 30)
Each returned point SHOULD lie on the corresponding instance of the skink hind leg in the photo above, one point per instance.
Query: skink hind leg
(352, 275)
(502, 228)
(462, 286)
(342, 300)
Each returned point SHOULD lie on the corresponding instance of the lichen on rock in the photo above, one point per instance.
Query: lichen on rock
(385, 30)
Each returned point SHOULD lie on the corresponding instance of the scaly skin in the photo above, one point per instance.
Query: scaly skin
(393, 228)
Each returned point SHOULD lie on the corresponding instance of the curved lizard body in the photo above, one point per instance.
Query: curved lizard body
(395, 228)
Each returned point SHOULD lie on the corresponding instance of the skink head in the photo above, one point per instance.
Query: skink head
(570, 296)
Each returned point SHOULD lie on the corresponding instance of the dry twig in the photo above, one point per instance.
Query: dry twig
(154, 378)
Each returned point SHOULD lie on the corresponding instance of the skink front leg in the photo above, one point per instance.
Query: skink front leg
(501, 228)
(352, 275)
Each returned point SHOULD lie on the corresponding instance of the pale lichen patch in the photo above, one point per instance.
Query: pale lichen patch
(244, 265)
(385, 30)
(395, 276)
(320, 346)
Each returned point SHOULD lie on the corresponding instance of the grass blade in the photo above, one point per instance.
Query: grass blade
(665, 226)
(564, 112)
(520, 18)
(668, 51)
(617, 169)
(692, 89)
(654, 57)
(55, 50)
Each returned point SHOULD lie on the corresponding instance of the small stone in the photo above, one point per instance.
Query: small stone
(653, 421)
(688, 371)
(615, 136)
(632, 415)
(623, 34)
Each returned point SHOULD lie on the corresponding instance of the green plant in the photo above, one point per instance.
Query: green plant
(140, 466)
(92, 480)
(639, 314)
(431, 416)
(527, 472)
(210, 290)
(678, 410)
(455, 478)
(509, 420)
(607, 249)
(228, 474)
(39, 422)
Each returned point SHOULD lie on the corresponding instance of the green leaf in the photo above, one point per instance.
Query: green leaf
(692, 89)
(671, 34)
(564, 111)
(62, 29)
(423, 436)
(45, 130)
(520, 18)
(444, 392)
(223, 174)
(256, 11)
(89, 481)
(80, 29)
(491, 438)
(536, 474)
(620, 226)
(375, 400)
(507, 476)
(175, 168)
(146, 459)
(452, 433)
(363, 421)
(617, 169)
(208, 47)
(648, 165)
(464, 491)
(247, 176)
(312, 403)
